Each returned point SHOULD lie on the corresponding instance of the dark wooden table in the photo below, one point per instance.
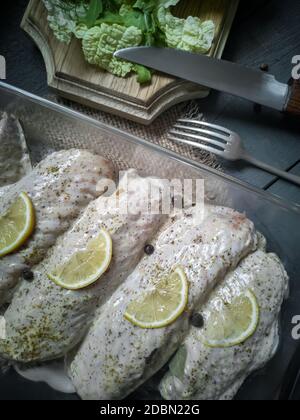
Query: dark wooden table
(264, 31)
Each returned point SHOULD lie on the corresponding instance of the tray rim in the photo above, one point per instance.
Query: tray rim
(279, 203)
(46, 103)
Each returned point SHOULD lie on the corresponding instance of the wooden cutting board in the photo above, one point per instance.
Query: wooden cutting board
(73, 78)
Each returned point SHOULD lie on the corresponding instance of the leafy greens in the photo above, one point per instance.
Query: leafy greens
(104, 26)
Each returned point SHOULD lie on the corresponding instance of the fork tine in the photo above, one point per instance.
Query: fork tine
(197, 145)
(206, 124)
(202, 131)
(200, 138)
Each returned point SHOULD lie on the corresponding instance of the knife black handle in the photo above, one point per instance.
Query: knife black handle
(293, 103)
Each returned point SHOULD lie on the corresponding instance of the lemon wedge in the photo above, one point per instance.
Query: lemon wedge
(87, 266)
(228, 324)
(162, 305)
(16, 225)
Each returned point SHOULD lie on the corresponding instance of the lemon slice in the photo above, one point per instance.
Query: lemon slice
(162, 305)
(228, 324)
(85, 267)
(16, 225)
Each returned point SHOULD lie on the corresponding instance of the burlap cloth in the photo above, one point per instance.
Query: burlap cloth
(157, 132)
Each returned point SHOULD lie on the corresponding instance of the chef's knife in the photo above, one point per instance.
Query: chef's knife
(256, 86)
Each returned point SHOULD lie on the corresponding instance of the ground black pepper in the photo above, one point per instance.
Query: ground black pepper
(28, 275)
(197, 320)
(149, 249)
(264, 67)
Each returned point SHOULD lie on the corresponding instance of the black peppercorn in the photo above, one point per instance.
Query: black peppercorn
(197, 320)
(264, 67)
(28, 275)
(149, 249)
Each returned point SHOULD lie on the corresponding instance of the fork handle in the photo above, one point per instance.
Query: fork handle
(271, 169)
(293, 103)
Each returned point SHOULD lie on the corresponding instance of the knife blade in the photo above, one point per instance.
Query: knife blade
(254, 85)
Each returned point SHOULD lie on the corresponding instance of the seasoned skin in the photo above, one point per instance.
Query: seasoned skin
(60, 187)
(14, 157)
(116, 356)
(53, 320)
(217, 374)
(3, 191)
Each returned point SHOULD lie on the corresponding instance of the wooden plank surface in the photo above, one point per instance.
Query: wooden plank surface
(286, 190)
(264, 32)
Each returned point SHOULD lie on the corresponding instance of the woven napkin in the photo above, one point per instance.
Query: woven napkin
(157, 132)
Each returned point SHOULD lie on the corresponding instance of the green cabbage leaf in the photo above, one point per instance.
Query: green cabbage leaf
(63, 17)
(189, 34)
(105, 26)
(99, 44)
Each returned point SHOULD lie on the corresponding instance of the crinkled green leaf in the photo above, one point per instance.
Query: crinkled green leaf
(101, 42)
(189, 34)
(167, 3)
(80, 30)
(126, 16)
(63, 17)
(145, 5)
(132, 17)
(152, 33)
(94, 11)
(151, 5)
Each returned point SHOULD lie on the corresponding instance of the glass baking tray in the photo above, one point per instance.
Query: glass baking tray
(50, 127)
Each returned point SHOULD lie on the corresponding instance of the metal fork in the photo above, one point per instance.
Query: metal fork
(221, 142)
